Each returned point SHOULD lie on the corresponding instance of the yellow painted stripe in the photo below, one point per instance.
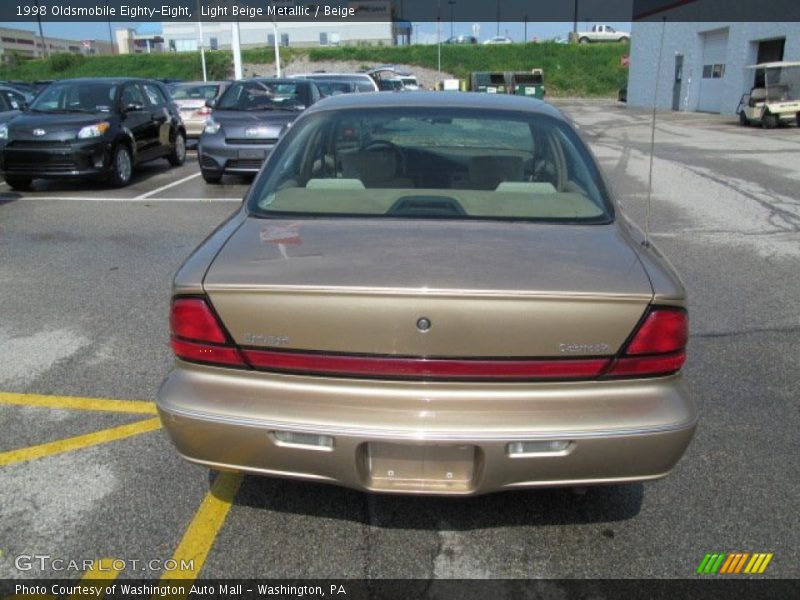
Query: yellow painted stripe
(757, 565)
(138, 407)
(754, 560)
(202, 531)
(79, 441)
(103, 569)
(764, 564)
(727, 563)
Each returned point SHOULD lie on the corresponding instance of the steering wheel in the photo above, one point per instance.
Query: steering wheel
(376, 145)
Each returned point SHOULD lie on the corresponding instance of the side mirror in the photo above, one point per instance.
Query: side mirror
(133, 107)
(211, 103)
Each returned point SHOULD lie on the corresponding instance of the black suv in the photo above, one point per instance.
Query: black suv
(99, 127)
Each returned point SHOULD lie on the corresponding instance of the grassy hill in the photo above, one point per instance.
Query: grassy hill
(570, 70)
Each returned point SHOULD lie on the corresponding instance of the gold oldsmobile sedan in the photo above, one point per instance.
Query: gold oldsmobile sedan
(429, 294)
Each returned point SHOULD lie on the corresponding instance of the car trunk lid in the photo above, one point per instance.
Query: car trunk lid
(428, 288)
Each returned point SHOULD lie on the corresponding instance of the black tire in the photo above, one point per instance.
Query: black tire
(797, 119)
(20, 184)
(178, 154)
(120, 174)
(624, 39)
(211, 177)
(743, 120)
(583, 40)
(769, 121)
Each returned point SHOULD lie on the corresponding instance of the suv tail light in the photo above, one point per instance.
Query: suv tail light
(198, 336)
(658, 347)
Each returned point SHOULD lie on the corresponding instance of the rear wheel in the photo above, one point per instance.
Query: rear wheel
(19, 183)
(769, 121)
(211, 177)
(624, 39)
(797, 119)
(178, 154)
(583, 40)
(743, 120)
(121, 166)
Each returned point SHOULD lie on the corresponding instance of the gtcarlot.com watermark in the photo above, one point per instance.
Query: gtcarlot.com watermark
(46, 562)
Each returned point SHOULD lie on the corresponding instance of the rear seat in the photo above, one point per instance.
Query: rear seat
(375, 169)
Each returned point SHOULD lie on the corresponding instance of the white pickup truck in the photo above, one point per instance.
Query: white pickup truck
(602, 33)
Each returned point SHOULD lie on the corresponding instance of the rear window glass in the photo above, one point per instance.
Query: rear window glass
(437, 163)
(195, 92)
(76, 97)
(259, 95)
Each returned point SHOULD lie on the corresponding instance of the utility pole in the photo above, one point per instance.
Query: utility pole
(498, 19)
(110, 36)
(41, 33)
(452, 3)
(525, 35)
(439, 35)
(202, 44)
(575, 20)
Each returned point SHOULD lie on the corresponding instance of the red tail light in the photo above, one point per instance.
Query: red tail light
(427, 368)
(203, 111)
(198, 336)
(658, 347)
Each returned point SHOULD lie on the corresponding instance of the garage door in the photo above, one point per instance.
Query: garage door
(715, 45)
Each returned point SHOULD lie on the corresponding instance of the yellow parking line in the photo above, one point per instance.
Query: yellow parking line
(199, 537)
(78, 442)
(137, 407)
(102, 570)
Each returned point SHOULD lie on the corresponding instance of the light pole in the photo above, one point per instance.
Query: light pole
(498, 19)
(452, 3)
(276, 47)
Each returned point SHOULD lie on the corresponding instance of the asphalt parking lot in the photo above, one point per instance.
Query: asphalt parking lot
(85, 274)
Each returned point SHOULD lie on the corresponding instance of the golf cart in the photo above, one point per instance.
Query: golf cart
(776, 97)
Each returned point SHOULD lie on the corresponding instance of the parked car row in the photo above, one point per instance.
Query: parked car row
(99, 127)
(104, 127)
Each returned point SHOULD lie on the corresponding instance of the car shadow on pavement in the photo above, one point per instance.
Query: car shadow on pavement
(558, 506)
(8, 197)
(140, 174)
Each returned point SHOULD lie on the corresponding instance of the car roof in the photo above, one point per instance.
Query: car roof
(428, 99)
(216, 82)
(111, 80)
(332, 74)
(273, 80)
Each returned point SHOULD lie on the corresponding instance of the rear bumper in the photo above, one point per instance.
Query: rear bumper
(194, 126)
(57, 160)
(381, 432)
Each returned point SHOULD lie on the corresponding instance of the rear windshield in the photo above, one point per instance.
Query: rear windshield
(432, 163)
(259, 95)
(195, 92)
(76, 97)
